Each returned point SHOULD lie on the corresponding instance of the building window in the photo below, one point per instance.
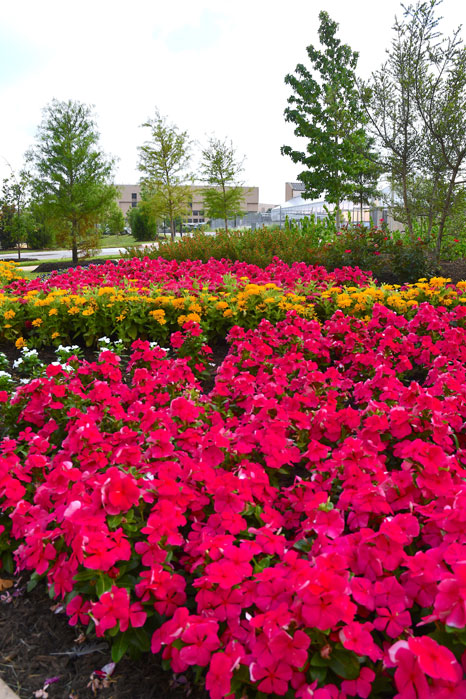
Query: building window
(195, 213)
(134, 204)
(134, 195)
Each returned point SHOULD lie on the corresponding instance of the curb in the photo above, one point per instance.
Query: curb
(6, 692)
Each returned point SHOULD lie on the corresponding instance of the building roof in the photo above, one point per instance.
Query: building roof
(297, 186)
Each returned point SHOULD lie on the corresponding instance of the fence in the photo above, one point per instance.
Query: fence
(279, 215)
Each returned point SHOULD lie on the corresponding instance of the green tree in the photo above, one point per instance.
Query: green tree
(415, 103)
(142, 224)
(328, 113)
(367, 179)
(224, 195)
(114, 221)
(72, 174)
(163, 162)
(17, 220)
(7, 214)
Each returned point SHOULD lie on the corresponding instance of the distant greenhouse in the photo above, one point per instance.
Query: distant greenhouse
(297, 208)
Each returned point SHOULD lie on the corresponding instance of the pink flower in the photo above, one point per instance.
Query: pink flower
(201, 639)
(435, 660)
(275, 675)
(360, 687)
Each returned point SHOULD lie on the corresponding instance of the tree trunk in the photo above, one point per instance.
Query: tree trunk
(172, 228)
(337, 217)
(443, 218)
(430, 218)
(409, 221)
(74, 243)
(226, 224)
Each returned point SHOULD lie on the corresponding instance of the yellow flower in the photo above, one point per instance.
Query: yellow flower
(37, 322)
(73, 310)
(53, 312)
(221, 305)
(158, 315)
(121, 317)
(343, 300)
(8, 315)
(55, 335)
(195, 317)
(228, 313)
(88, 312)
(20, 343)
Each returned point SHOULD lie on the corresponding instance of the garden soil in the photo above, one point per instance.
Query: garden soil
(37, 644)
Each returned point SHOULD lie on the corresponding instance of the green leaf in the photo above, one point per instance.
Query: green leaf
(104, 583)
(303, 545)
(140, 639)
(344, 664)
(119, 647)
(32, 582)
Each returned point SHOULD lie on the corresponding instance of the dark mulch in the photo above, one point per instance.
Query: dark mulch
(46, 267)
(37, 644)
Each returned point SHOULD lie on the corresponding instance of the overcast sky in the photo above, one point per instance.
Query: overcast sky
(211, 66)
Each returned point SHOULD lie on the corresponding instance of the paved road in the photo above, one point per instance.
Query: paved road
(58, 254)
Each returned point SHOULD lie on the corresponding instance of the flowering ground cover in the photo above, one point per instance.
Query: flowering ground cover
(150, 299)
(297, 531)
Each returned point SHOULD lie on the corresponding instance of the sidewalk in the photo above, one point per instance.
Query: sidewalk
(6, 692)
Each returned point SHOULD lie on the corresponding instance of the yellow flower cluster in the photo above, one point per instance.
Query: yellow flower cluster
(359, 301)
(8, 272)
(154, 313)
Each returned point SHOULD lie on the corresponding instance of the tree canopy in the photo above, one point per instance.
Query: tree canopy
(328, 113)
(163, 161)
(220, 169)
(71, 173)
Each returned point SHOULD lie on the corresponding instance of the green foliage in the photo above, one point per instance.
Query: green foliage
(392, 257)
(409, 262)
(327, 112)
(71, 174)
(142, 225)
(163, 162)
(416, 106)
(16, 220)
(114, 221)
(7, 214)
(223, 197)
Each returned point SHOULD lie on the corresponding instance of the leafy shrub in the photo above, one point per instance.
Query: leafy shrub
(142, 226)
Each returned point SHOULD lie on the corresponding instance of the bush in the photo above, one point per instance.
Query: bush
(142, 226)
(387, 255)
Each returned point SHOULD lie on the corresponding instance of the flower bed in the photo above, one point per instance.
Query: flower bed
(298, 531)
(150, 299)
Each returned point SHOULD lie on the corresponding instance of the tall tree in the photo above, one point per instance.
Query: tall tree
(415, 103)
(224, 195)
(164, 161)
(440, 93)
(391, 106)
(327, 112)
(16, 218)
(72, 174)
